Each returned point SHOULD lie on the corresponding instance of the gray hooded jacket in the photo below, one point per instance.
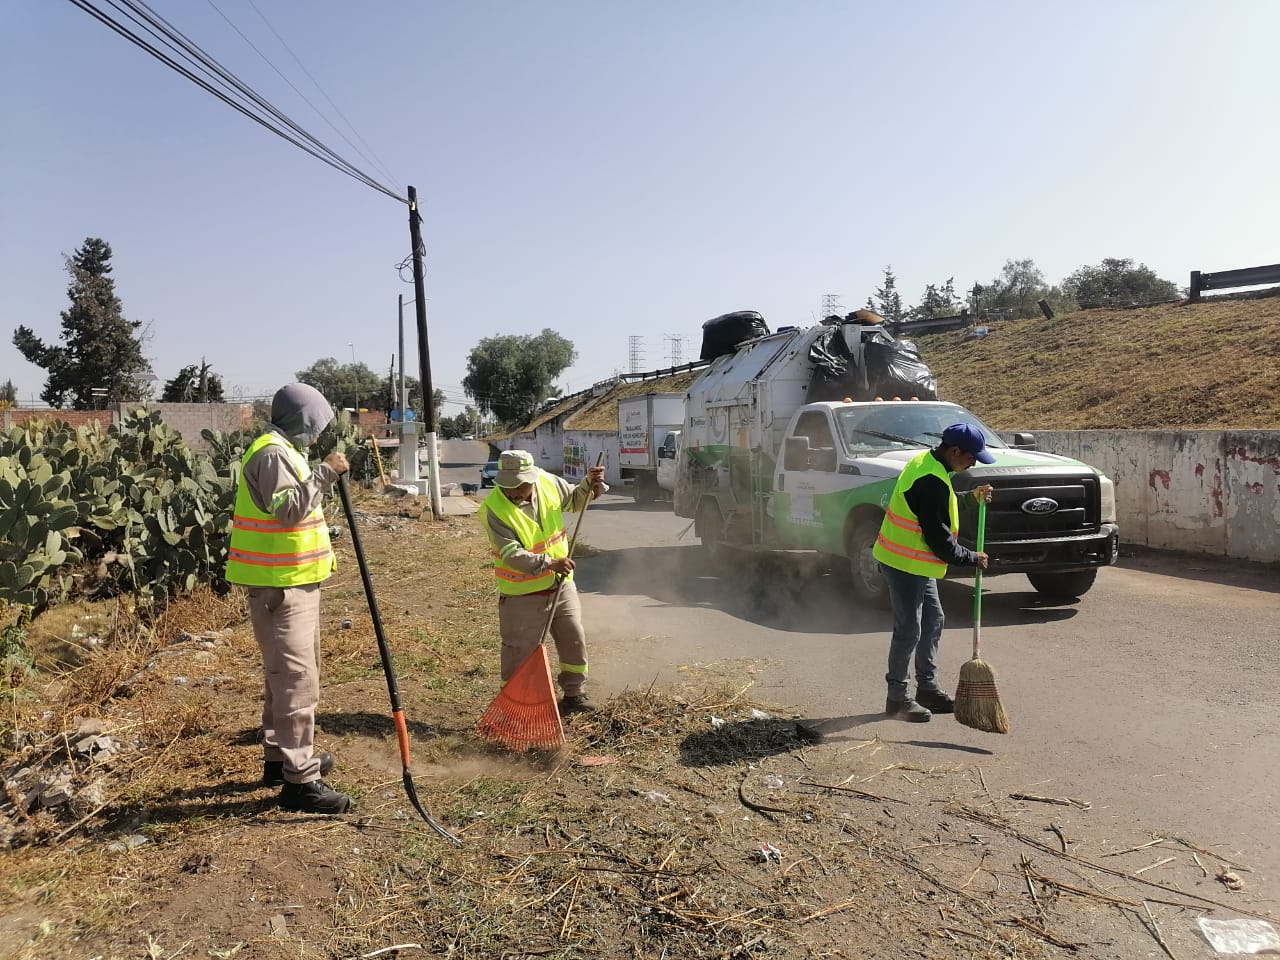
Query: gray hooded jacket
(299, 414)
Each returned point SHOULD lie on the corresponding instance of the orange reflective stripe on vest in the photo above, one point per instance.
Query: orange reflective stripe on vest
(901, 542)
(267, 553)
(545, 537)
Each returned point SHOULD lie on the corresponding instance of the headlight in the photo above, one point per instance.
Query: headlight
(1108, 500)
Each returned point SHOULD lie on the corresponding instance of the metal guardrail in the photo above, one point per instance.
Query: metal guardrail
(1227, 279)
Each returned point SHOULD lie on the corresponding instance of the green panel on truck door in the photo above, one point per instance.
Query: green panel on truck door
(818, 522)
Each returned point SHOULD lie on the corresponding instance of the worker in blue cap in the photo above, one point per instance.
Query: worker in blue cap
(917, 542)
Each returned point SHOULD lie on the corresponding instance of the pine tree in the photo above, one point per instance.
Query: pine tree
(887, 301)
(194, 384)
(100, 358)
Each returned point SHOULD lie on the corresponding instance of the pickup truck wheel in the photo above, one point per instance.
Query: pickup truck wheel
(1063, 586)
(710, 530)
(864, 569)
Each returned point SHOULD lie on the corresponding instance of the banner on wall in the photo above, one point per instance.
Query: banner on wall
(575, 460)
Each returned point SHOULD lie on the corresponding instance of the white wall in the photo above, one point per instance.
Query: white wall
(1208, 491)
(591, 443)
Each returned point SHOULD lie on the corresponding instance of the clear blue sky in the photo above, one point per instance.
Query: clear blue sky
(609, 169)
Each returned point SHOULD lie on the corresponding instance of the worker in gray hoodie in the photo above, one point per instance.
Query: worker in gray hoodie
(280, 552)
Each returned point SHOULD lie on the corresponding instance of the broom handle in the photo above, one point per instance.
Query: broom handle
(573, 541)
(977, 581)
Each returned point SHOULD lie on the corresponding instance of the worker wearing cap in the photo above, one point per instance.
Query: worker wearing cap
(524, 520)
(916, 543)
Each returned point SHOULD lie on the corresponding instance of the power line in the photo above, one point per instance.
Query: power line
(376, 159)
(268, 62)
(172, 38)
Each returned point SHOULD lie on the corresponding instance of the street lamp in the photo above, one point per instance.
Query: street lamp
(353, 376)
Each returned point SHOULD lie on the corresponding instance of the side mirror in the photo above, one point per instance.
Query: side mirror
(1024, 441)
(824, 459)
(664, 453)
(796, 454)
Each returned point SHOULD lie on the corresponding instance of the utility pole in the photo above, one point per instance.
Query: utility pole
(424, 354)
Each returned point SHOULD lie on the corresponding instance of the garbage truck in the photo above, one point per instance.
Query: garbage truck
(793, 441)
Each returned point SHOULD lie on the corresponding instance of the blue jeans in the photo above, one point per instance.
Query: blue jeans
(917, 628)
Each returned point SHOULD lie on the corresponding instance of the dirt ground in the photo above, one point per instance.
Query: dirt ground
(687, 820)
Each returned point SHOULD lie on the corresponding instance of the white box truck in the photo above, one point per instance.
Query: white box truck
(770, 467)
(648, 442)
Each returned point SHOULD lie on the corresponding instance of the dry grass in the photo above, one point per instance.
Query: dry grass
(693, 839)
(1203, 365)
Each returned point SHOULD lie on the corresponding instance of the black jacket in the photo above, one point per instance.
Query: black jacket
(930, 500)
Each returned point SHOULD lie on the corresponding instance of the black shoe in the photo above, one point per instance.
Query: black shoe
(273, 770)
(937, 701)
(576, 704)
(315, 796)
(907, 710)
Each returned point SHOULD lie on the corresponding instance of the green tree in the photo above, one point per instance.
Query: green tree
(1118, 283)
(194, 384)
(510, 376)
(460, 425)
(1016, 292)
(939, 300)
(346, 384)
(887, 301)
(8, 394)
(100, 358)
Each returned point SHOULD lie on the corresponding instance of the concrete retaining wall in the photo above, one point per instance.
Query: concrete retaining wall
(1208, 491)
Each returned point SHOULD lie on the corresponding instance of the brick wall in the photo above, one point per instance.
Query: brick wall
(17, 416)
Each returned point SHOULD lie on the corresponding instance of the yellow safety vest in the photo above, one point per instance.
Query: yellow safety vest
(901, 544)
(546, 538)
(266, 553)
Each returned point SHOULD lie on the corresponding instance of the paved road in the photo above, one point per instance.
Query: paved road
(1155, 697)
(460, 460)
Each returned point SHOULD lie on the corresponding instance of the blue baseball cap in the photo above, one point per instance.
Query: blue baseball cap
(969, 439)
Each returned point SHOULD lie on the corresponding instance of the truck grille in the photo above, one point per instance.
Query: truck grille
(1036, 507)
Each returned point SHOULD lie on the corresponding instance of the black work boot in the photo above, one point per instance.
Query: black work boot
(907, 710)
(316, 796)
(273, 770)
(937, 701)
(578, 703)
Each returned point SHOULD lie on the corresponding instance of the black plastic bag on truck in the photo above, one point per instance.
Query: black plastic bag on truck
(722, 334)
(834, 374)
(895, 369)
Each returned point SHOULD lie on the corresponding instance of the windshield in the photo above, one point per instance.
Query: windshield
(903, 425)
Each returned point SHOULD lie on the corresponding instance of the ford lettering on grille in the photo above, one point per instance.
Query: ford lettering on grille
(1040, 506)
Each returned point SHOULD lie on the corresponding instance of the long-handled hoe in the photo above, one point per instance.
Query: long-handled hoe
(393, 688)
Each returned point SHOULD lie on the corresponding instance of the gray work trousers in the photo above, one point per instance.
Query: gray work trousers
(286, 624)
(521, 621)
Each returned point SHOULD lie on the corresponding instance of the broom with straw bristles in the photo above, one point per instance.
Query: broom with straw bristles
(524, 715)
(977, 700)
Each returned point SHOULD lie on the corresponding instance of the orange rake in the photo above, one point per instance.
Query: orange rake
(524, 715)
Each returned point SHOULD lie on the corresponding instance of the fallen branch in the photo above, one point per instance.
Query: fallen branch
(1141, 846)
(862, 794)
(1060, 801)
(1044, 934)
(978, 816)
(1155, 930)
